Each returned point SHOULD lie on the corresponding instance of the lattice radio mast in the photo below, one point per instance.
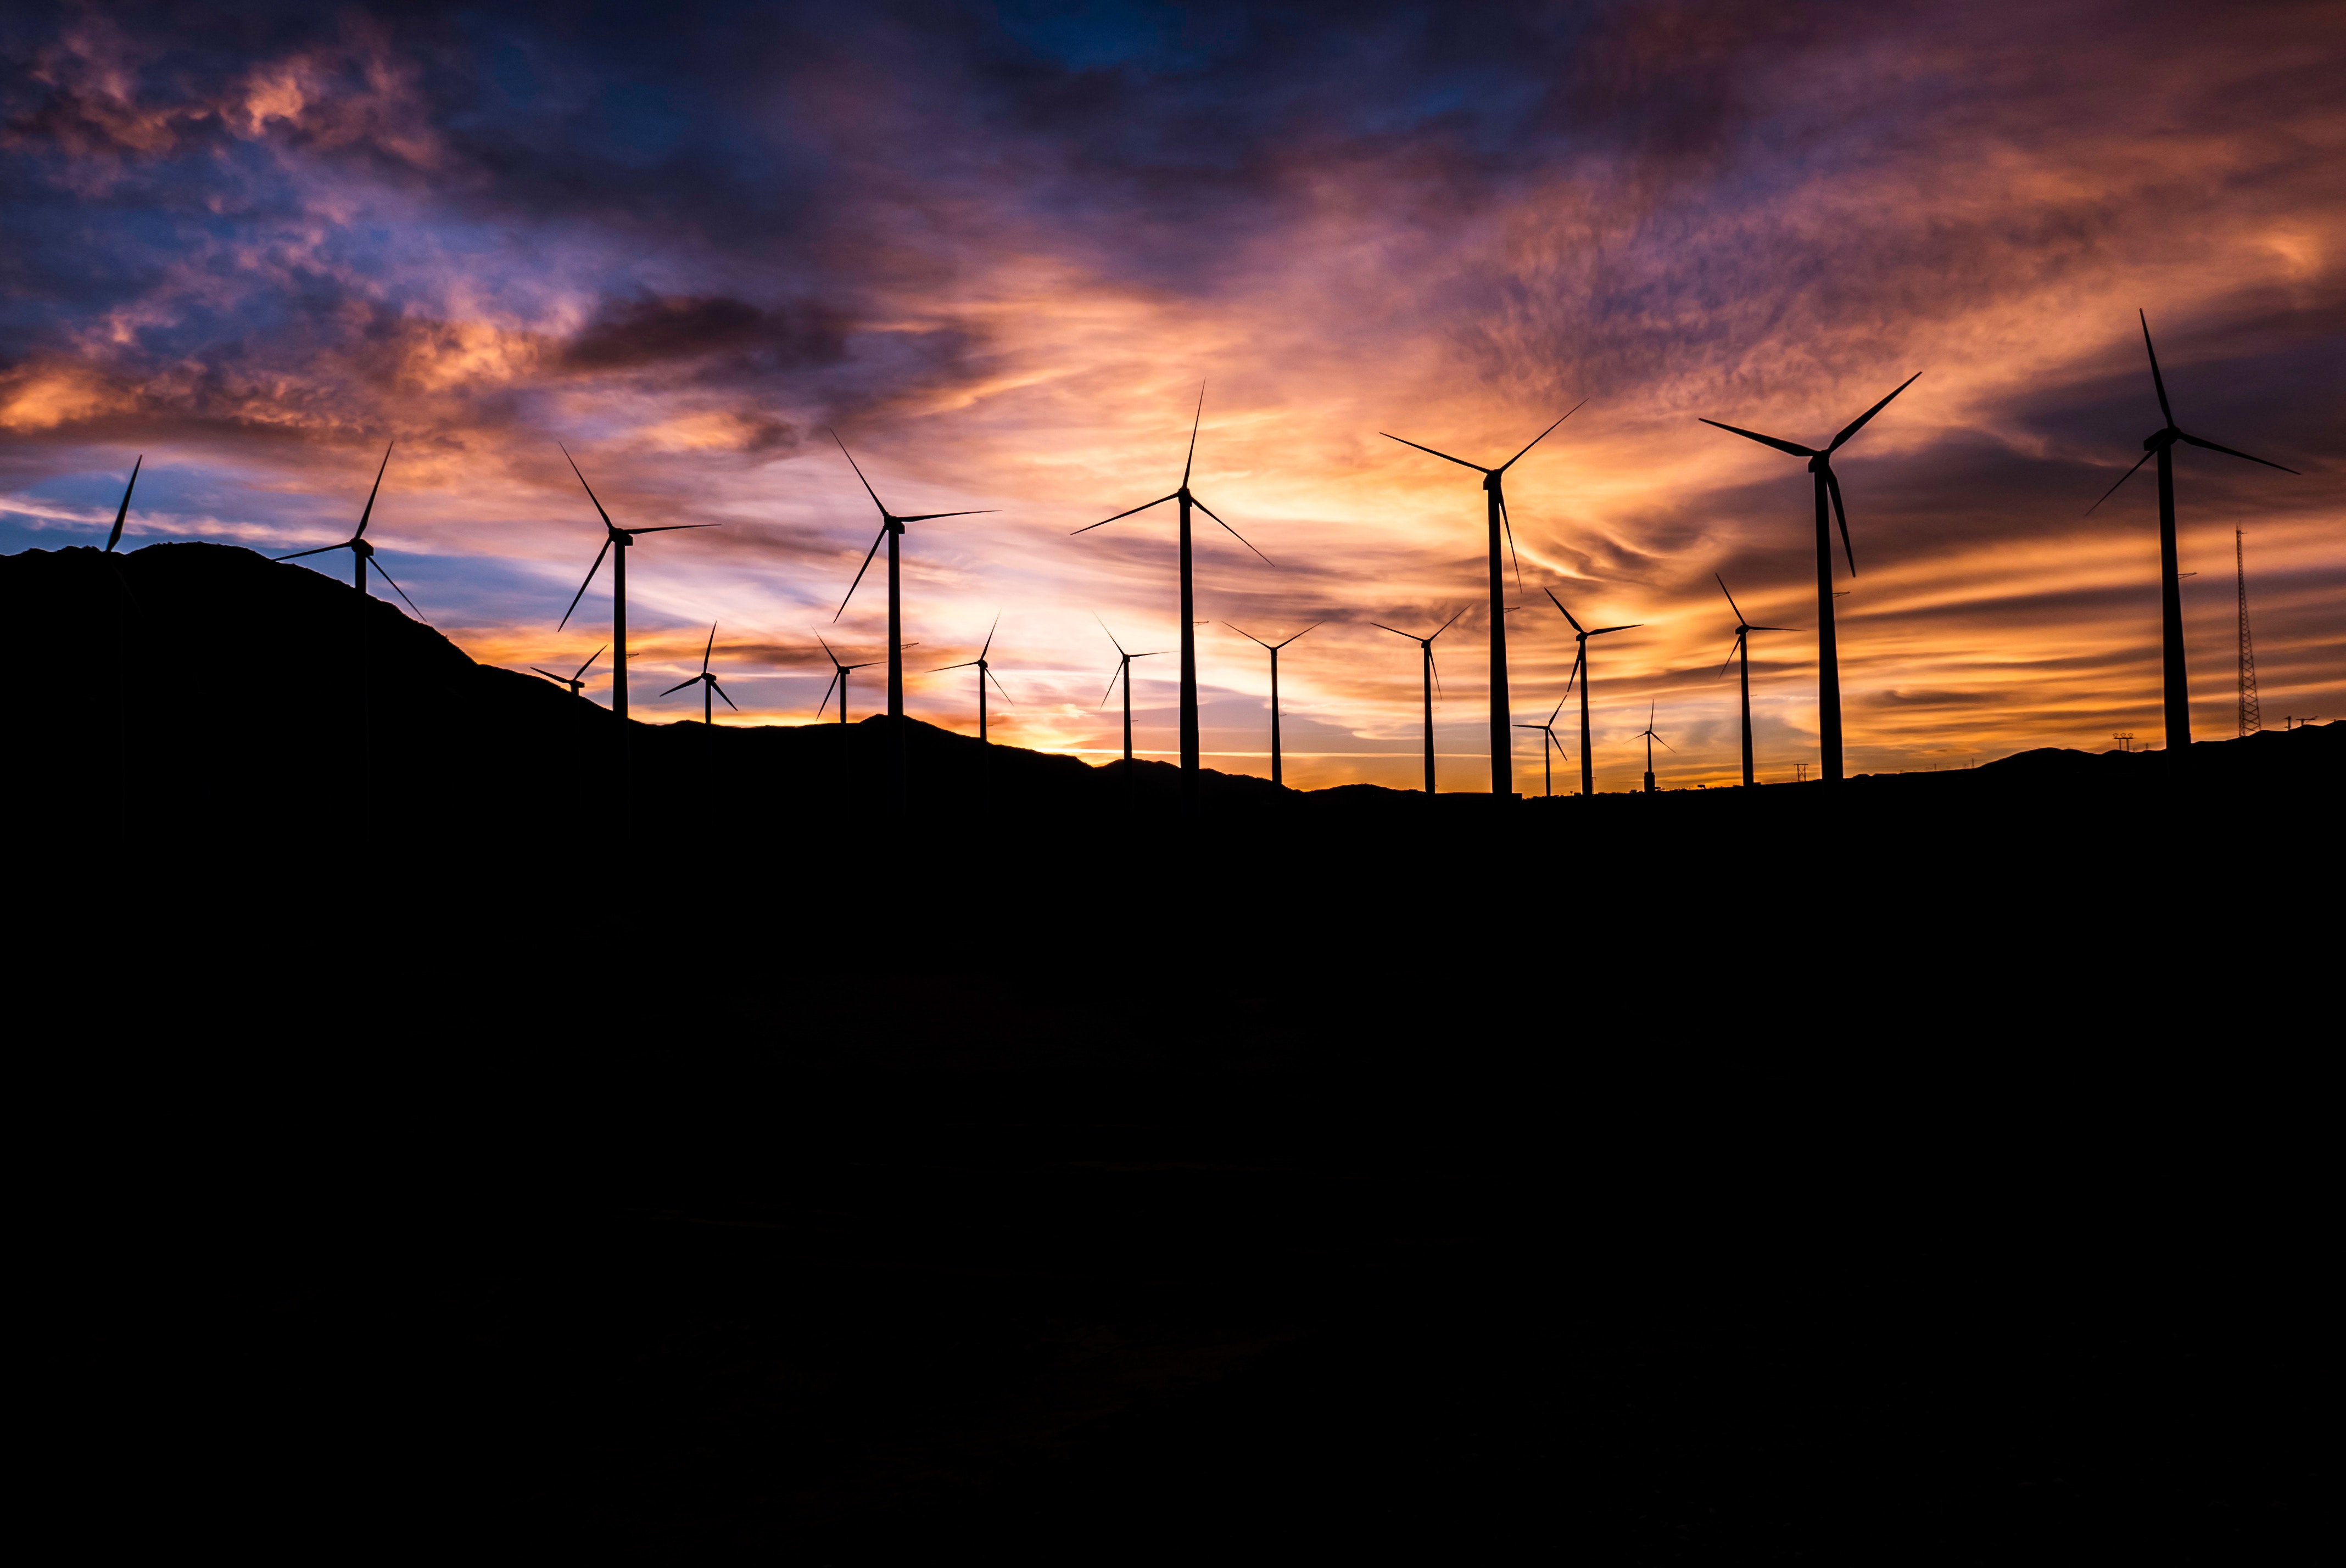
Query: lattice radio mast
(2252, 717)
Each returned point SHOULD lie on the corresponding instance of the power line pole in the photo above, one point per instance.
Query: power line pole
(2252, 717)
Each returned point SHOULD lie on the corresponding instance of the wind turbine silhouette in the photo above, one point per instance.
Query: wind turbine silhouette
(1742, 650)
(706, 682)
(984, 674)
(361, 551)
(1124, 674)
(1188, 606)
(892, 528)
(1580, 673)
(1502, 742)
(1547, 767)
(613, 534)
(1277, 779)
(1432, 679)
(573, 681)
(1650, 738)
(123, 511)
(839, 673)
(1827, 486)
(2160, 444)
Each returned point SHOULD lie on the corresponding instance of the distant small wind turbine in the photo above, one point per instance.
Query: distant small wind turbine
(2160, 444)
(615, 536)
(1431, 679)
(575, 681)
(362, 553)
(1828, 489)
(1503, 740)
(1190, 622)
(706, 682)
(1277, 779)
(1650, 738)
(1124, 674)
(1580, 673)
(1741, 650)
(839, 679)
(1547, 767)
(984, 674)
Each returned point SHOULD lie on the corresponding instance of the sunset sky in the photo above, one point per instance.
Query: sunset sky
(998, 248)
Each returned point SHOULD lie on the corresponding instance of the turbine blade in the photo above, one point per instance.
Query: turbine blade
(1232, 532)
(932, 516)
(1312, 627)
(989, 635)
(1793, 447)
(1396, 631)
(1448, 624)
(1542, 435)
(1002, 688)
(2211, 446)
(582, 587)
(859, 474)
(1509, 523)
(1105, 521)
(1728, 662)
(371, 495)
(1250, 636)
(123, 511)
(396, 587)
(2113, 490)
(1443, 456)
(590, 659)
(319, 551)
(551, 676)
(669, 528)
(680, 685)
(859, 574)
(1774, 628)
(597, 500)
(1433, 668)
(1840, 515)
(1560, 604)
(2155, 378)
(943, 667)
(708, 647)
(1859, 423)
(1121, 670)
(1579, 664)
(1665, 745)
(1194, 421)
(1730, 597)
(1556, 709)
(1602, 630)
(720, 692)
(826, 697)
(1111, 635)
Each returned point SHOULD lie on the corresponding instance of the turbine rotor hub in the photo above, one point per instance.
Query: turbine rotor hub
(2158, 439)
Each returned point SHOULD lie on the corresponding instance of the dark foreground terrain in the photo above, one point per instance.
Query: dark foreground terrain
(450, 1143)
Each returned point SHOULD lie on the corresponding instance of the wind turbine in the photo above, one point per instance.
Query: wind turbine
(839, 673)
(2160, 442)
(1742, 650)
(1827, 485)
(1124, 674)
(613, 534)
(1650, 738)
(575, 681)
(1503, 747)
(708, 683)
(1547, 767)
(892, 528)
(1278, 780)
(361, 551)
(1580, 673)
(1425, 645)
(984, 674)
(123, 511)
(1188, 605)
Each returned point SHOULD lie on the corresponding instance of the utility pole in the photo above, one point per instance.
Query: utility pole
(2251, 717)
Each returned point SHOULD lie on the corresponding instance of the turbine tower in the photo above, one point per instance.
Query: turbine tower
(1188, 606)
(1741, 651)
(2252, 716)
(1503, 747)
(1430, 678)
(706, 682)
(892, 528)
(1277, 779)
(1580, 673)
(984, 674)
(1124, 674)
(1828, 489)
(622, 538)
(1650, 738)
(1548, 763)
(2160, 444)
